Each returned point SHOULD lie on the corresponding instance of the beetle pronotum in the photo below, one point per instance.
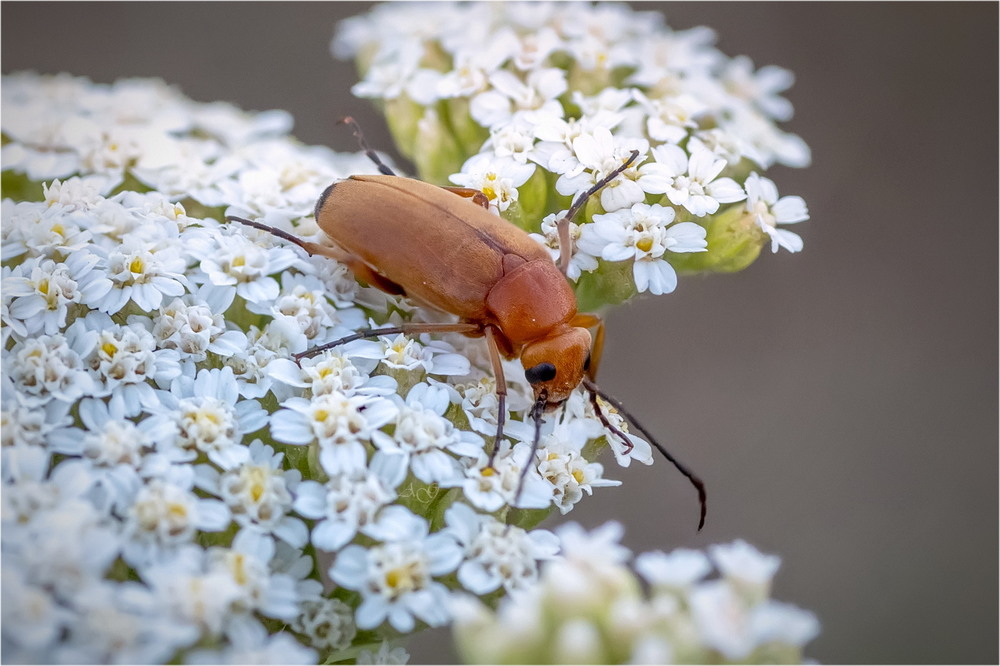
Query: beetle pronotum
(443, 248)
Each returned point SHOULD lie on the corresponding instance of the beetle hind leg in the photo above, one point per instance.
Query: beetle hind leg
(372, 155)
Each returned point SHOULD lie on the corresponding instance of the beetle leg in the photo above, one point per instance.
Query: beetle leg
(359, 268)
(382, 168)
(477, 196)
(584, 320)
(565, 242)
(491, 343)
(408, 329)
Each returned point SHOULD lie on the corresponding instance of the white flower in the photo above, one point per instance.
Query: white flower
(259, 493)
(435, 357)
(679, 569)
(561, 463)
(338, 423)
(51, 366)
(303, 300)
(489, 488)
(396, 579)
(770, 211)
(253, 368)
(32, 619)
(234, 261)
(346, 504)
(643, 234)
(335, 370)
(194, 327)
(122, 623)
(690, 181)
(166, 515)
(43, 290)
(250, 643)
(115, 448)
(195, 595)
(741, 561)
(598, 153)
(428, 441)
(24, 426)
(495, 177)
(510, 95)
(142, 273)
(386, 654)
(258, 589)
(598, 549)
(497, 554)
(328, 624)
(670, 118)
(210, 418)
(580, 260)
(125, 357)
(759, 88)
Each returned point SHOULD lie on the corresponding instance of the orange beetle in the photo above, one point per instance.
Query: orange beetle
(452, 254)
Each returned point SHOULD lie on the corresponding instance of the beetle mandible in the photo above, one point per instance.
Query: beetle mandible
(443, 248)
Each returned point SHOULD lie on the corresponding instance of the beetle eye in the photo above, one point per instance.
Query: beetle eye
(542, 372)
(586, 364)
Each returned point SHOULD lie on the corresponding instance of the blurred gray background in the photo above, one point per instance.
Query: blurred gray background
(841, 403)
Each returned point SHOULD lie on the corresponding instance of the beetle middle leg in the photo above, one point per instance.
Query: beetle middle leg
(406, 329)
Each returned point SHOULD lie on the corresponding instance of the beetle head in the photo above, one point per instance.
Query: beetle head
(555, 364)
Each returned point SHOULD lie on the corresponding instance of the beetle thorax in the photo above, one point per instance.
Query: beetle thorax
(531, 301)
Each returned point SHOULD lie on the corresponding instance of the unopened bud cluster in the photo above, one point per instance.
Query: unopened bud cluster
(591, 607)
(533, 103)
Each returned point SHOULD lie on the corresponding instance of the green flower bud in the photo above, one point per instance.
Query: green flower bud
(610, 284)
(734, 242)
(532, 202)
(402, 115)
(436, 154)
(469, 134)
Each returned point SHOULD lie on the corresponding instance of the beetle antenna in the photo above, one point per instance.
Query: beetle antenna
(695, 481)
(356, 129)
(536, 414)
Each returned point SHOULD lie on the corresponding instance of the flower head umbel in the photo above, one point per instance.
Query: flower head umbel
(589, 605)
(181, 485)
(564, 94)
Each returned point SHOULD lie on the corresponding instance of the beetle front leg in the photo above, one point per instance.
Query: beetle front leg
(501, 381)
(586, 320)
(565, 242)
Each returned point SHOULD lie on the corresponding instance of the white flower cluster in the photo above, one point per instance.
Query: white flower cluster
(590, 608)
(171, 479)
(525, 98)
